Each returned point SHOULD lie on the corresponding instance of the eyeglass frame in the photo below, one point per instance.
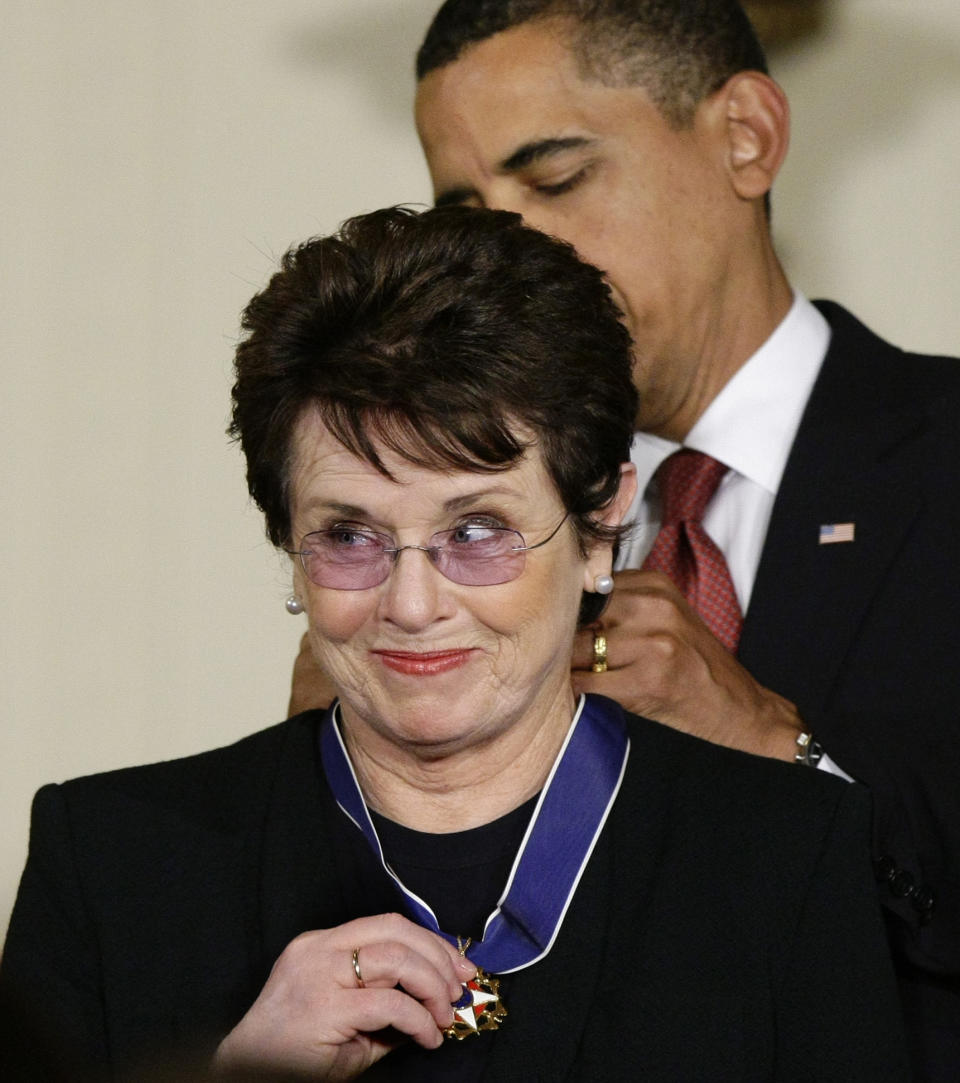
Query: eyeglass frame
(431, 550)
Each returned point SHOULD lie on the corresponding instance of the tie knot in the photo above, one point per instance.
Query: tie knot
(687, 479)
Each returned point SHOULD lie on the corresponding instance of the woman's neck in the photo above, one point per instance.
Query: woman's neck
(445, 791)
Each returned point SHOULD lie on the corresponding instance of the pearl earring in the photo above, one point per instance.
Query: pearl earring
(603, 584)
(294, 605)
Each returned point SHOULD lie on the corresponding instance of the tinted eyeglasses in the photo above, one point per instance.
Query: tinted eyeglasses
(348, 558)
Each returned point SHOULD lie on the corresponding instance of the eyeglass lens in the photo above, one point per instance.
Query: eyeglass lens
(474, 556)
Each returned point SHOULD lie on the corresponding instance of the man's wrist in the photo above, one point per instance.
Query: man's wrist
(809, 751)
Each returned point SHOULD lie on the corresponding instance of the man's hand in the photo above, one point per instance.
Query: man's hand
(665, 664)
(314, 1019)
(309, 687)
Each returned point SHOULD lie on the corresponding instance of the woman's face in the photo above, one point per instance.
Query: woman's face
(427, 664)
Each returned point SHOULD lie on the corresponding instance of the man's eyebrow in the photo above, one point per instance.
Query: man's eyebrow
(535, 151)
(522, 158)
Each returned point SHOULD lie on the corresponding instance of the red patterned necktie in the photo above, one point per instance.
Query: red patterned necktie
(684, 551)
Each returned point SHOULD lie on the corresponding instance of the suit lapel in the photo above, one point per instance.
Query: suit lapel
(856, 459)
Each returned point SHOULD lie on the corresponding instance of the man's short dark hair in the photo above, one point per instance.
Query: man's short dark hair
(456, 338)
(679, 51)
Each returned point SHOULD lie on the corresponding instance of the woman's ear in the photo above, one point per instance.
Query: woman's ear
(756, 118)
(298, 583)
(600, 558)
(616, 511)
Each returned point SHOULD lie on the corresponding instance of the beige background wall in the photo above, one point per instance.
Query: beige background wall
(154, 160)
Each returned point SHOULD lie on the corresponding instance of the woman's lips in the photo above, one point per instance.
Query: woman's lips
(423, 663)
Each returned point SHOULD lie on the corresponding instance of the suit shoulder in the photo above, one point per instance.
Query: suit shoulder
(714, 772)
(223, 781)
(768, 823)
(917, 370)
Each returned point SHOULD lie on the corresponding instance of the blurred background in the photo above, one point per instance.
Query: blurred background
(156, 160)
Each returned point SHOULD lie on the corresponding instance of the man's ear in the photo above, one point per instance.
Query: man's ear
(756, 116)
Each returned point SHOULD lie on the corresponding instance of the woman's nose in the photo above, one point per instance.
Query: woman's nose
(416, 593)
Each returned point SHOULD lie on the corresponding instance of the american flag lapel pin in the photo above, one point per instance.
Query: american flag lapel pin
(832, 533)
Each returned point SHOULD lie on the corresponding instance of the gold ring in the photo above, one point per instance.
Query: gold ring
(361, 984)
(599, 653)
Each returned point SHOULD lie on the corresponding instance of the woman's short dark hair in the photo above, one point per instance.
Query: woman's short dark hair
(456, 338)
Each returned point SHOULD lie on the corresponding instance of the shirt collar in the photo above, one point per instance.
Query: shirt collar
(752, 422)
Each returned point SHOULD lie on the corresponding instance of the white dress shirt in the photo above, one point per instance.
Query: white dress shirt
(750, 426)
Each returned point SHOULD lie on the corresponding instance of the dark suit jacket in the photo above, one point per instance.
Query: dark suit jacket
(865, 636)
(726, 927)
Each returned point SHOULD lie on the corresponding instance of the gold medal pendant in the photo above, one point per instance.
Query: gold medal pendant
(480, 1007)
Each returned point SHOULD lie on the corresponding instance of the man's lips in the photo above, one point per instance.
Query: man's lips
(424, 663)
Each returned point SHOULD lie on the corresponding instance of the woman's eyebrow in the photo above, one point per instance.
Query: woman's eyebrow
(352, 511)
(455, 503)
(467, 500)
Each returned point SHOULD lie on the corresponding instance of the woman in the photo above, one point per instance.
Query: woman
(436, 412)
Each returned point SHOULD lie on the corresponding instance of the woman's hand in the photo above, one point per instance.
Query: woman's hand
(314, 1019)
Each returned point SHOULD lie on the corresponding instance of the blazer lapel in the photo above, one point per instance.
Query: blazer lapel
(298, 885)
(856, 459)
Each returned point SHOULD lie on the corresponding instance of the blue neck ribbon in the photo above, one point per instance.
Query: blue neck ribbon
(563, 830)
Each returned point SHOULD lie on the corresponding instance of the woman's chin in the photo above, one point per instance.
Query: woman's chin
(434, 728)
(430, 722)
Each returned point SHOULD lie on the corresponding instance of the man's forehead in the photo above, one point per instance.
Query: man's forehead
(539, 43)
(518, 87)
(495, 109)
(529, 64)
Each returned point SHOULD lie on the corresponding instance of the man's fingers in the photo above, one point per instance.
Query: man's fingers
(642, 604)
(583, 650)
(309, 687)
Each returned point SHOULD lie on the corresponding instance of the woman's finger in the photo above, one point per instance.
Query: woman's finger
(395, 928)
(390, 963)
(372, 1010)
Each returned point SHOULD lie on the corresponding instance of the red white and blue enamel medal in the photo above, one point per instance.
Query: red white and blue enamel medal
(480, 1007)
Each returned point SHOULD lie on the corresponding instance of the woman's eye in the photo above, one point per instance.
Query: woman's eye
(350, 538)
(474, 533)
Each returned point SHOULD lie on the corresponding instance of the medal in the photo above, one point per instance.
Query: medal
(573, 807)
(480, 1007)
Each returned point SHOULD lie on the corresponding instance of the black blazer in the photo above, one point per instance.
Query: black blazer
(726, 927)
(865, 636)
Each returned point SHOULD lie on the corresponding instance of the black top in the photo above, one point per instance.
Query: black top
(460, 874)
